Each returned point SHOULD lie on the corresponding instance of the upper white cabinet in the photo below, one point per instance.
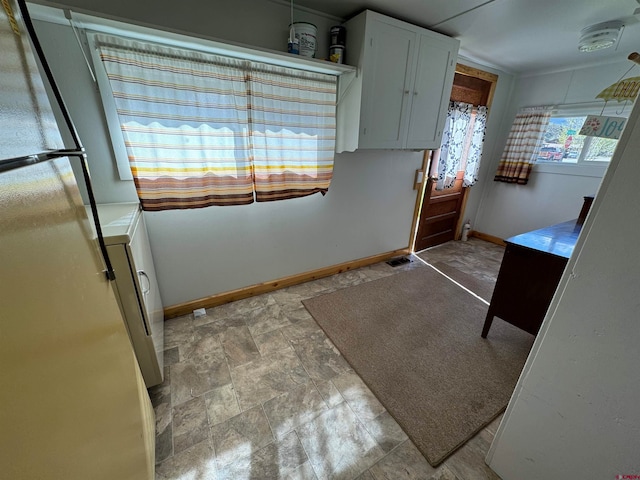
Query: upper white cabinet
(399, 98)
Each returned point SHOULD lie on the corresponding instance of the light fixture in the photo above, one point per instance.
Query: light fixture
(602, 35)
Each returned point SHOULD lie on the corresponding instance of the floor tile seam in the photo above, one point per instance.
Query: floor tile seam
(274, 441)
(212, 445)
(387, 454)
(233, 385)
(254, 343)
(295, 430)
(173, 443)
(208, 440)
(251, 309)
(337, 390)
(274, 438)
(171, 407)
(309, 420)
(248, 455)
(280, 349)
(375, 418)
(269, 399)
(203, 394)
(304, 367)
(315, 385)
(361, 422)
(262, 357)
(171, 410)
(269, 331)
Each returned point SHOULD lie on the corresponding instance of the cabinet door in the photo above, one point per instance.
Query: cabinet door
(431, 91)
(387, 82)
(147, 285)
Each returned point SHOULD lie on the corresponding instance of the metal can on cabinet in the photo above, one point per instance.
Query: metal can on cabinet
(336, 53)
(338, 35)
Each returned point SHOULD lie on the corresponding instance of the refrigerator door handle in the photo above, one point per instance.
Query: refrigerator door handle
(9, 164)
(78, 152)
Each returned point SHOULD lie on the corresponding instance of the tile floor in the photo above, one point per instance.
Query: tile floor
(255, 390)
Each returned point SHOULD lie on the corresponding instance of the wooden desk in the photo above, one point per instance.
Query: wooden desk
(529, 275)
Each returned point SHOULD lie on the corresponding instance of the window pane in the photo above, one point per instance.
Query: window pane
(600, 150)
(561, 143)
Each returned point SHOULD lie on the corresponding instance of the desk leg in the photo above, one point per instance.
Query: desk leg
(487, 324)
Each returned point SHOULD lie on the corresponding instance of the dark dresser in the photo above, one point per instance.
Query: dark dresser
(529, 275)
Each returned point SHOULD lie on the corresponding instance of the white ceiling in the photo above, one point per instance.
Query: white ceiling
(519, 36)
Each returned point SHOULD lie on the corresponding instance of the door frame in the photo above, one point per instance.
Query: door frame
(424, 169)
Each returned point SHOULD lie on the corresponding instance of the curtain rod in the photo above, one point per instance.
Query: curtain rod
(217, 59)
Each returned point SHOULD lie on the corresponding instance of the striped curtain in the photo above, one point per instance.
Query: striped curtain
(184, 120)
(522, 144)
(292, 117)
(204, 130)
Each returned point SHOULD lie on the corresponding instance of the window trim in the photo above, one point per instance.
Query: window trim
(581, 170)
(582, 167)
(110, 114)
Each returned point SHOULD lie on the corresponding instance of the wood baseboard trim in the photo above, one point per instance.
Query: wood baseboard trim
(488, 238)
(265, 287)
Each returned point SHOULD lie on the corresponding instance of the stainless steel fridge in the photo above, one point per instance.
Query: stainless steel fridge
(73, 403)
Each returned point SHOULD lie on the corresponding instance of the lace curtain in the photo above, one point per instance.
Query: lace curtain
(462, 143)
(475, 148)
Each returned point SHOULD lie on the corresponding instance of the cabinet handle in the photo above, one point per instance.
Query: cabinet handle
(142, 273)
(415, 93)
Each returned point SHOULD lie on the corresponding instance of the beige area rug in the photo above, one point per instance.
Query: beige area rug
(414, 338)
(484, 289)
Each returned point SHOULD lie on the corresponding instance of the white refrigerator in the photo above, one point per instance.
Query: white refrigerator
(73, 403)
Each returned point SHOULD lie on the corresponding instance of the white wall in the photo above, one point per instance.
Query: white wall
(368, 210)
(575, 411)
(198, 253)
(506, 209)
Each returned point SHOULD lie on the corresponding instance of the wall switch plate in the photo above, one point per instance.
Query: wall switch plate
(419, 178)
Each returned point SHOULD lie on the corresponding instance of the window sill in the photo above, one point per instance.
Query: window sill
(579, 170)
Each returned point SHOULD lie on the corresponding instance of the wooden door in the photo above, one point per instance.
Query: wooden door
(440, 218)
(440, 213)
